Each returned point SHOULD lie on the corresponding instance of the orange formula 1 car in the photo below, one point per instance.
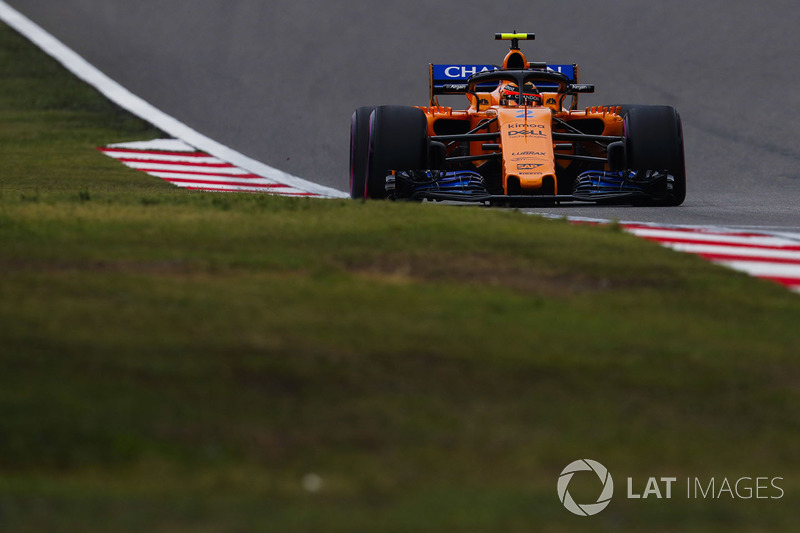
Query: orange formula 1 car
(522, 140)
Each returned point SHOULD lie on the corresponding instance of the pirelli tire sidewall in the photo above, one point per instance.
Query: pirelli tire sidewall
(398, 140)
(359, 148)
(654, 138)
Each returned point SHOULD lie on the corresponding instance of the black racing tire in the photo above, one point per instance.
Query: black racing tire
(654, 139)
(398, 140)
(359, 149)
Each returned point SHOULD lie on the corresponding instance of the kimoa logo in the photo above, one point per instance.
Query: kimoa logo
(588, 509)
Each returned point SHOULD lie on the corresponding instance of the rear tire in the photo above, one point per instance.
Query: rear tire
(359, 149)
(654, 137)
(398, 140)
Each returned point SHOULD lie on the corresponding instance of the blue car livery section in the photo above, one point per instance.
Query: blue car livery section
(452, 78)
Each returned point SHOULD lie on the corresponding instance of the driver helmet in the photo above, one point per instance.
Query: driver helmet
(509, 92)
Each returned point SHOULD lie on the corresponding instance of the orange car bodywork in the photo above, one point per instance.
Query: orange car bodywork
(528, 151)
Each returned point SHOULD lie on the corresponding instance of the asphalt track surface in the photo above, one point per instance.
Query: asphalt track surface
(278, 81)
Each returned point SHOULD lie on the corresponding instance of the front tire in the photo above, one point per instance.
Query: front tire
(654, 137)
(359, 150)
(398, 140)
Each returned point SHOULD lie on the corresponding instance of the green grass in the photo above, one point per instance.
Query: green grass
(176, 361)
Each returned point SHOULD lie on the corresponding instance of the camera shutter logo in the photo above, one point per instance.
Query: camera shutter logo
(587, 509)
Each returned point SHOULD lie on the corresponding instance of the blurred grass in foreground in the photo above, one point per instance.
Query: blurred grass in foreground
(178, 361)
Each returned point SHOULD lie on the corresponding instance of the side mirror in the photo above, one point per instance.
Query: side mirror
(617, 156)
(437, 154)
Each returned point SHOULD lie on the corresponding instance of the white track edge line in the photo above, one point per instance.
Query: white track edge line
(143, 109)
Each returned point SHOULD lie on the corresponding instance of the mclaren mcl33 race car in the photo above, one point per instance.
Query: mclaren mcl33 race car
(522, 140)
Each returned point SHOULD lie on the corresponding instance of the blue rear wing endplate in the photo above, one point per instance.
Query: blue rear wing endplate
(452, 78)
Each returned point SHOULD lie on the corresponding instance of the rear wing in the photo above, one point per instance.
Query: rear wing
(452, 78)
